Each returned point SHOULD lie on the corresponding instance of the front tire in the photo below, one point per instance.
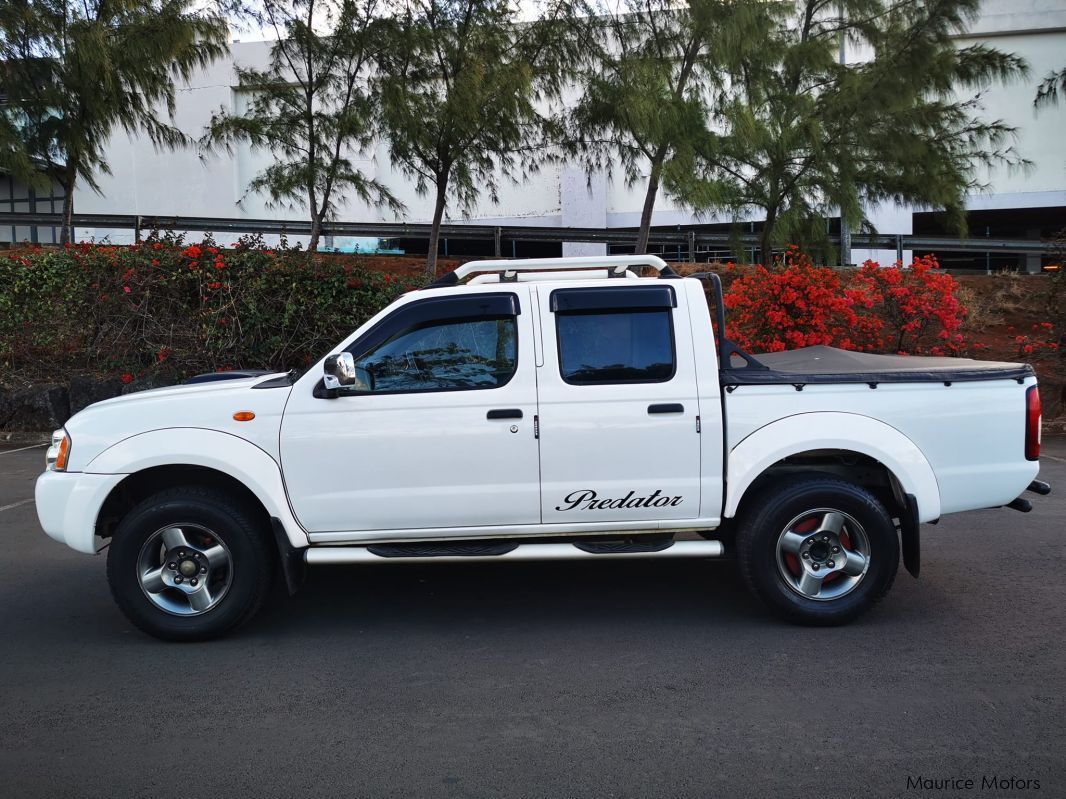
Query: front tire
(818, 550)
(189, 563)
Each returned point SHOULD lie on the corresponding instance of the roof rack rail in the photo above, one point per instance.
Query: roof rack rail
(508, 270)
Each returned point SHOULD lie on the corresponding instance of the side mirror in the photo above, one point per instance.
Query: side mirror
(339, 370)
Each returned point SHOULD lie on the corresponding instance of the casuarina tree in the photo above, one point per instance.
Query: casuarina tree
(313, 107)
(73, 73)
(462, 80)
(651, 86)
(1048, 91)
(800, 136)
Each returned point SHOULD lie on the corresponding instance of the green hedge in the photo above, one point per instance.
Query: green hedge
(169, 309)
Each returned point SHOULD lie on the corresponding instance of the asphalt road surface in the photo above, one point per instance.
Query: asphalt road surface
(652, 679)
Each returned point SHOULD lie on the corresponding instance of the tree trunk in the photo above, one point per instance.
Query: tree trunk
(434, 230)
(66, 233)
(766, 252)
(316, 232)
(766, 249)
(649, 202)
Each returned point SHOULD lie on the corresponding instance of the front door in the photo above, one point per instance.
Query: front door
(438, 432)
(618, 406)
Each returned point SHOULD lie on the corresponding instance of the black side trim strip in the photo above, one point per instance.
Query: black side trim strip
(651, 544)
(444, 549)
(742, 377)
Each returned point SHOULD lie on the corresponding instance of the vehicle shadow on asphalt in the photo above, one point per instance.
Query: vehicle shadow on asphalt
(582, 595)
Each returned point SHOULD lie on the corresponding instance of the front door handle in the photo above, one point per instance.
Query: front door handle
(667, 407)
(504, 413)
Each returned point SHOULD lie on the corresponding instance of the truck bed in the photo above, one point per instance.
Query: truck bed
(831, 365)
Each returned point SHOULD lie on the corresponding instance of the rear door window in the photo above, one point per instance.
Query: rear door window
(611, 336)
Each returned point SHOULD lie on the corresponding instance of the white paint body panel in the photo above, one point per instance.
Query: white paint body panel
(212, 449)
(971, 435)
(68, 504)
(421, 460)
(432, 466)
(842, 431)
(207, 406)
(602, 439)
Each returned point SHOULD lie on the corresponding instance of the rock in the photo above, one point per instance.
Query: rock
(84, 391)
(41, 407)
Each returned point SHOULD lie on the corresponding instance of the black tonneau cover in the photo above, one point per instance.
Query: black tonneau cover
(831, 365)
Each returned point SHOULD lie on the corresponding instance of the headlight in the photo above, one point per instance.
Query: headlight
(57, 455)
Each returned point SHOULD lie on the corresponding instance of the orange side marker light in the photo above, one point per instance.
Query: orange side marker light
(64, 453)
(243, 416)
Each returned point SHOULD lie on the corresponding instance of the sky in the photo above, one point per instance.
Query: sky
(245, 31)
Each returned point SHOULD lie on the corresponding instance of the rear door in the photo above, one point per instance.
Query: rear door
(618, 405)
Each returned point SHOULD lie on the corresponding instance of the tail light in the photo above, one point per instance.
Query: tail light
(1032, 423)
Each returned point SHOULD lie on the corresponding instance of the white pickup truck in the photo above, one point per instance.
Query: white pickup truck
(540, 410)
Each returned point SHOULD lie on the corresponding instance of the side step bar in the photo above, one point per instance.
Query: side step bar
(362, 554)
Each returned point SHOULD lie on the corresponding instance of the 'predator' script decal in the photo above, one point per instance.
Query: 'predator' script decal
(587, 499)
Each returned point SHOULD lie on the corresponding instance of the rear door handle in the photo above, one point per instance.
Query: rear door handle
(667, 407)
(504, 413)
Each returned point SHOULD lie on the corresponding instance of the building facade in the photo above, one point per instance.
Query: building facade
(1018, 204)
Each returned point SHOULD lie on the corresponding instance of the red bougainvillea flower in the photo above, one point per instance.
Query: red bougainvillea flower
(192, 251)
(914, 309)
(127, 378)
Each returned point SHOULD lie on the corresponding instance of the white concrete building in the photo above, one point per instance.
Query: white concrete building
(187, 183)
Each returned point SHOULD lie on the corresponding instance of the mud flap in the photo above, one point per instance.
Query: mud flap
(290, 558)
(910, 538)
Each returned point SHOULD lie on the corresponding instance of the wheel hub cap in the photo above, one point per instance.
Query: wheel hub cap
(823, 554)
(188, 568)
(184, 569)
(819, 551)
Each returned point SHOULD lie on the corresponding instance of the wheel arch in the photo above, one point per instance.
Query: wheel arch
(847, 445)
(162, 458)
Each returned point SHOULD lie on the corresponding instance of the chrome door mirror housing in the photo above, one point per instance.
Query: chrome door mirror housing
(339, 371)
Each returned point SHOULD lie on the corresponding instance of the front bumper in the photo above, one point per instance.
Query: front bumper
(68, 504)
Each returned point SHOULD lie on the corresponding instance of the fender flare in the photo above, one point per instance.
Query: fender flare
(212, 449)
(833, 430)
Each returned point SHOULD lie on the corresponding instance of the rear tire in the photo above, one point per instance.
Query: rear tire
(189, 563)
(818, 550)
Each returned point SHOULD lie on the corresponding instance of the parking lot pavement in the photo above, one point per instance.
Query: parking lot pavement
(606, 680)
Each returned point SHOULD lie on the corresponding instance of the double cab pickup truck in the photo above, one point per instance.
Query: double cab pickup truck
(546, 409)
